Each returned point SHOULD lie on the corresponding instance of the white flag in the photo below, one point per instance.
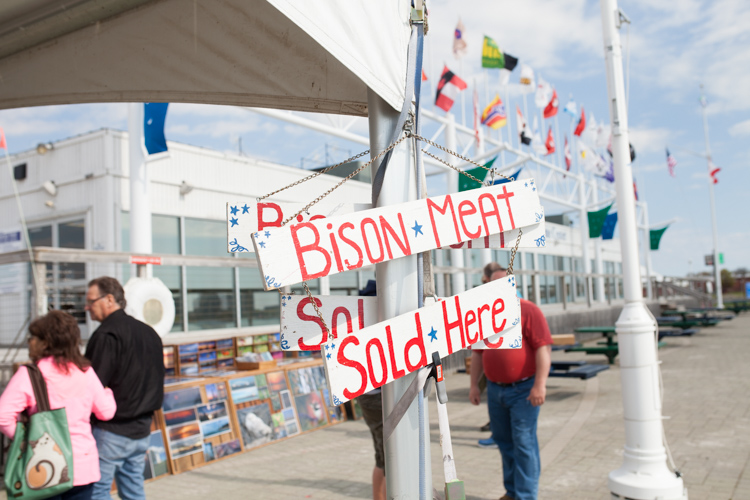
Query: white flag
(536, 140)
(543, 93)
(527, 75)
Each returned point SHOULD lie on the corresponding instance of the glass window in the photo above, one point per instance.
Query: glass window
(71, 235)
(165, 239)
(210, 297)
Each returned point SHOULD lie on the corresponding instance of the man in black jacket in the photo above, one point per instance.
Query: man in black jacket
(127, 356)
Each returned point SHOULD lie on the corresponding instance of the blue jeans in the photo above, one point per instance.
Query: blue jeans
(513, 422)
(122, 459)
(82, 492)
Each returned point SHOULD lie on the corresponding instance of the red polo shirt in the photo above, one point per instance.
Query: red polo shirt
(506, 366)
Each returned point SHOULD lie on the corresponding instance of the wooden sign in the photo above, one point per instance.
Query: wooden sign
(247, 217)
(307, 250)
(302, 330)
(369, 358)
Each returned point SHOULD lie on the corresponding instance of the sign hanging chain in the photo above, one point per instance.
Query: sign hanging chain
(328, 333)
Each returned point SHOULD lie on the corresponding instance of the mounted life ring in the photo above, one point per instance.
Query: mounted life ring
(150, 301)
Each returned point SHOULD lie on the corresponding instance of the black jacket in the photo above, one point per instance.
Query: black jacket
(128, 358)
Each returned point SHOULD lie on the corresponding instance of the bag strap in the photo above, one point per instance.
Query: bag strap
(39, 386)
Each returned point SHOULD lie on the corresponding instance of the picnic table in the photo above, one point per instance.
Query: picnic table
(677, 322)
(737, 306)
(608, 347)
(575, 369)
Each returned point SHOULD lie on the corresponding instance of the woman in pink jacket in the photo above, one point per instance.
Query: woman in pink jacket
(71, 383)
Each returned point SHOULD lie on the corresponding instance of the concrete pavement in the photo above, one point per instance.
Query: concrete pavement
(706, 399)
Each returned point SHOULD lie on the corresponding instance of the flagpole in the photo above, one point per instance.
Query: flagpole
(463, 97)
(557, 139)
(644, 472)
(717, 272)
(508, 120)
(526, 117)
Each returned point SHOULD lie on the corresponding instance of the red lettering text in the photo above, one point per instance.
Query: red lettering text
(343, 360)
(448, 203)
(311, 247)
(495, 311)
(315, 319)
(262, 223)
(465, 208)
(381, 353)
(349, 225)
(397, 373)
(450, 326)
(419, 342)
(371, 222)
(469, 320)
(507, 196)
(403, 245)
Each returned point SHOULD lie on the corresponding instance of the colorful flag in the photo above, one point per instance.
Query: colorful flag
(3, 144)
(635, 191)
(494, 115)
(714, 170)
(571, 108)
(609, 173)
(591, 161)
(608, 229)
(550, 144)
(154, 116)
(447, 89)
(493, 57)
(551, 109)
(655, 237)
(523, 130)
(543, 93)
(459, 43)
(424, 75)
(466, 183)
(671, 163)
(596, 221)
(568, 156)
(527, 75)
(581, 124)
(475, 103)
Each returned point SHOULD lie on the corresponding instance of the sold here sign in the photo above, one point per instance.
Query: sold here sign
(303, 330)
(366, 359)
(316, 248)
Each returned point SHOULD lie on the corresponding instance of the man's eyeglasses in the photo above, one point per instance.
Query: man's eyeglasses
(90, 302)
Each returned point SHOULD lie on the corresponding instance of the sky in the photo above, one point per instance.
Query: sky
(670, 48)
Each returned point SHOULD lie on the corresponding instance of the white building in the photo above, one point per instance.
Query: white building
(76, 195)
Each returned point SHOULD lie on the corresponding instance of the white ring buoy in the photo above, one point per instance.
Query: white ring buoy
(150, 301)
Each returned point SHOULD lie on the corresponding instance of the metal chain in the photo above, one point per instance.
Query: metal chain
(467, 174)
(325, 170)
(316, 200)
(514, 250)
(329, 336)
(459, 156)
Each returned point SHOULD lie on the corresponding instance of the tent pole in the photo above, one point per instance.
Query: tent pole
(644, 473)
(397, 294)
(458, 281)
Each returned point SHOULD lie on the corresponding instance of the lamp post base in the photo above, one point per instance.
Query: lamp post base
(656, 485)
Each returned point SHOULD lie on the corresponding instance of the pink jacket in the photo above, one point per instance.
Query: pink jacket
(80, 393)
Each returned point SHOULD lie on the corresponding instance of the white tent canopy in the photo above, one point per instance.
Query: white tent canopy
(287, 54)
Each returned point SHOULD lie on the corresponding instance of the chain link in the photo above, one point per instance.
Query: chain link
(325, 170)
(459, 156)
(316, 200)
(329, 335)
(514, 250)
(467, 174)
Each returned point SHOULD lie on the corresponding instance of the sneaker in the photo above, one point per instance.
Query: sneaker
(485, 427)
(487, 443)
(506, 497)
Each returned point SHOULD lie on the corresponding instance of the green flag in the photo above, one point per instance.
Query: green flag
(655, 237)
(465, 184)
(493, 57)
(596, 221)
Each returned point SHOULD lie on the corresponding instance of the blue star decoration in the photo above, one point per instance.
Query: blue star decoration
(417, 229)
(432, 334)
(234, 210)
(526, 184)
(268, 234)
(245, 209)
(262, 244)
(328, 356)
(333, 346)
(233, 221)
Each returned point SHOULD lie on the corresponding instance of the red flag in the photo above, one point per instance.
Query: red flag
(714, 171)
(3, 144)
(447, 89)
(581, 124)
(424, 76)
(550, 144)
(635, 191)
(551, 109)
(568, 156)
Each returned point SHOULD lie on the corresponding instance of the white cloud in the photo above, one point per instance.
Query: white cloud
(649, 140)
(741, 128)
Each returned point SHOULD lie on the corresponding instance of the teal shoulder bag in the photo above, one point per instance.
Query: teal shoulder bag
(40, 459)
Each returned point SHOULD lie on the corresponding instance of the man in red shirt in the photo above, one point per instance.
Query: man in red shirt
(516, 388)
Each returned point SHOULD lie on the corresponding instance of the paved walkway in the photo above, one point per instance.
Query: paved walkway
(707, 397)
(707, 388)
